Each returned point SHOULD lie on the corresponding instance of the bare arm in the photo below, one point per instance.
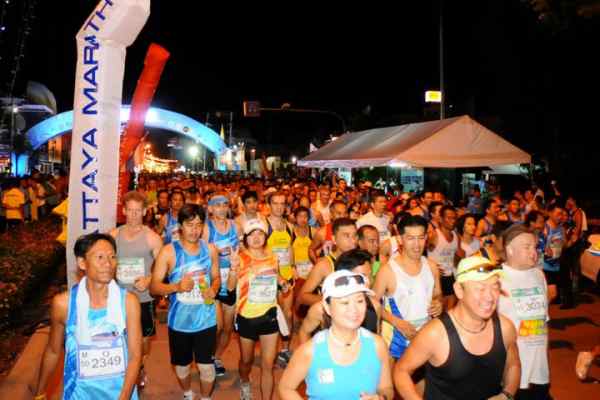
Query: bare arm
(295, 373)
(436, 307)
(312, 321)
(512, 367)
(315, 277)
(418, 353)
(134, 345)
(54, 348)
(215, 276)
(162, 265)
(385, 387)
(315, 246)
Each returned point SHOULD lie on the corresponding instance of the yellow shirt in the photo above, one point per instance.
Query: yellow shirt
(301, 258)
(257, 285)
(280, 243)
(13, 201)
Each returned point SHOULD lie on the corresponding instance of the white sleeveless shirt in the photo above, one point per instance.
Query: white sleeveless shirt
(444, 252)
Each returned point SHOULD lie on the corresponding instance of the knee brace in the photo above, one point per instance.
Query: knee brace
(182, 372)
(207, 372)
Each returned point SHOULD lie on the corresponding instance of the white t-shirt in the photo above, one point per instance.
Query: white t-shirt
(381, 223)
(527, 307)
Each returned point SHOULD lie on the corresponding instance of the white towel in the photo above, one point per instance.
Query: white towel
(114, 314)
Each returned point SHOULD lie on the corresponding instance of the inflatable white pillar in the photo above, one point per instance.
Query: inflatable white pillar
(94, 172)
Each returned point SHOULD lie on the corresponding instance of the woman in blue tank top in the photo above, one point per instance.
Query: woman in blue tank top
(344, 361)
(99, 326)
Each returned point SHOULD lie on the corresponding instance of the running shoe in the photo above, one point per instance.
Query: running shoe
(219, 367)
(245, 391)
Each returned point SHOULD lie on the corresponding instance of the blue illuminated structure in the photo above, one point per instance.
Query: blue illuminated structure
(155, 118)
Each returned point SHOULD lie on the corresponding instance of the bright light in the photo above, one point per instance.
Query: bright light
(399, 164)
(294, 159)
(333, 138)
(15, 109)
(433, 96)
(193, 151)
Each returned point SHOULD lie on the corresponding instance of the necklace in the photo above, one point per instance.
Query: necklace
(474, 332)
(341, 342)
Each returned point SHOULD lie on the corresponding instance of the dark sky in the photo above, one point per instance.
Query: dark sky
(537, 89)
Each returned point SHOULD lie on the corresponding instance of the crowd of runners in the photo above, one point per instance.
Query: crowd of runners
(355, 292)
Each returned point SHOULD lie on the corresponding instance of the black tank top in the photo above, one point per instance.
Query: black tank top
(465, 376)
(370, 322)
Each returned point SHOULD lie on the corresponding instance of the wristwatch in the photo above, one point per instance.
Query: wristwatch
(508, 395)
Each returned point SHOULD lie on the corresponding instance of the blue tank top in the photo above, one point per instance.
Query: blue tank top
(328, 380)
(225, 243)
(171, 229)
(95, 370)
(187, 311)
(555, 239)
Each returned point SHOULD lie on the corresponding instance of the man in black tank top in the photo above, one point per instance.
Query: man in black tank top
(470, 352)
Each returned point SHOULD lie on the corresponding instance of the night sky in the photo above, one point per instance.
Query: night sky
(535, 86)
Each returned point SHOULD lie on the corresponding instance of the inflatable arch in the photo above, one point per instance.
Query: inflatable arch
(155, 118)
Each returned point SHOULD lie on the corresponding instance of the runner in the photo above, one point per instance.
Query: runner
(137, 247)
(409, 285)
(192, 268)
(157, 210)
(470, 352)
(377, 217)
(321, 206)
(345, 239)
(486, 224)
(442, 248)
(344, 361)
(250, 202)
(368, 240)
(303, 234)
(526, 305)
(223, 234)
(554, 238)
(169, 226)
(513, 211)
(322, 243)
(357, 261)
(256, 281)
(469, 244)
(98, 325)
(280, 237)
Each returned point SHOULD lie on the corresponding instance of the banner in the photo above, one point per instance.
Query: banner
(154, 64)
(93, 179)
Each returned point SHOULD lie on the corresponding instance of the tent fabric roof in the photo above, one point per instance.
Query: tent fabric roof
(449, 143)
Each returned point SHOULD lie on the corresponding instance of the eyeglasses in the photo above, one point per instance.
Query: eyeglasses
(482, 268)
(345, 280)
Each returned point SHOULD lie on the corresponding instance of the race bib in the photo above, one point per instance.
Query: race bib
(304, 269)
(194, 296)
(129, 269)
(101, 360)
(263, 290)
(446, 261)
(224, 272)
(530, 305)
(326, 376)
(283, 255)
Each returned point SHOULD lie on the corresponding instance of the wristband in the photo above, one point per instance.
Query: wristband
(40, 397)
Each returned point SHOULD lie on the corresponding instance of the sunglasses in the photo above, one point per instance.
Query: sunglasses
(345, 280)
(481, 269)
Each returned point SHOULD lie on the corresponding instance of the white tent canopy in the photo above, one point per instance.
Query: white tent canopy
(458, 142)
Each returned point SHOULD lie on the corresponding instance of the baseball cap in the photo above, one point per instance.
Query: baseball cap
(343, 283)
(254, 224)
(477, 268)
